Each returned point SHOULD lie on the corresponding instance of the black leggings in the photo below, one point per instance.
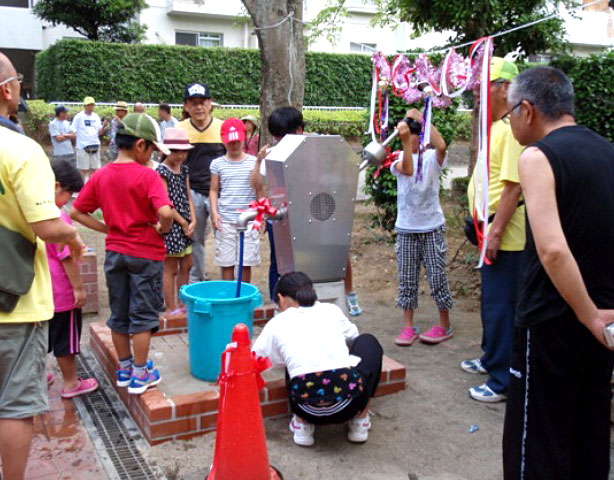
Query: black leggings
(367, 347)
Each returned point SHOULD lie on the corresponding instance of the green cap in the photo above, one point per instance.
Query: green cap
(89, 101)
(141, 125)
(501, 69)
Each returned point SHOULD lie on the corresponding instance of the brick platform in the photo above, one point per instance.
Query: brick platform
(89, 274)
(179, 323)
(184, 407)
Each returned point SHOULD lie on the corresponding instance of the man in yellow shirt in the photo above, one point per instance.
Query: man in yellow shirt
(204, 133)
(27, 206)
(506, 239)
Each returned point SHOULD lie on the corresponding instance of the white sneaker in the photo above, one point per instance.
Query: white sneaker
(303, 432)
(483, 393)
(359, 429)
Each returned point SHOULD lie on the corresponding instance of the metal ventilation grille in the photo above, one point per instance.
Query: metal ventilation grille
(323, 206)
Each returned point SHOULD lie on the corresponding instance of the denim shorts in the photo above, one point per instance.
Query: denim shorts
(135, 292)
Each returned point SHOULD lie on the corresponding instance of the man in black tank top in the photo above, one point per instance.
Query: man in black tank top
(557, 422)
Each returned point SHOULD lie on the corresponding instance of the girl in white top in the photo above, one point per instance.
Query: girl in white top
(421, 232)
(327, 381)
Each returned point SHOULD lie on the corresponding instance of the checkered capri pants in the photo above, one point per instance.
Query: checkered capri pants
(414, 249)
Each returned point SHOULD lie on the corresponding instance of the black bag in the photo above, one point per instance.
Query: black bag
(469, 227)
(91, 148)
(16, 268)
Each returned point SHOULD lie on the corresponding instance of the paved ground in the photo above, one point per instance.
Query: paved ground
(421, 433)
(62, 448)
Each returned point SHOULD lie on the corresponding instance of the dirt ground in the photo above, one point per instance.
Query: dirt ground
(420, 433)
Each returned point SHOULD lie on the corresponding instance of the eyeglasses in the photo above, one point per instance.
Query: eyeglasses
(18, 77)
(506, 117)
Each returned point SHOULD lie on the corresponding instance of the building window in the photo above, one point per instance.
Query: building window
(363, 47)
(15, 3)
(203, 39)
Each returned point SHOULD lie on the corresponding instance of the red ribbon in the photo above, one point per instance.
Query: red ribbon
(390, 159)
(261, 364)
(264, 207)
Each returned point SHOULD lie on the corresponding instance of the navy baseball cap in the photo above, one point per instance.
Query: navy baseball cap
(197, 90)
(61, 108)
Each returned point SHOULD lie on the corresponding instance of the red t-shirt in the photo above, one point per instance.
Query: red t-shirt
(129, 195)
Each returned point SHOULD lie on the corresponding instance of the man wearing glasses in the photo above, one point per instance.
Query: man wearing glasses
(506, 239)
(10, 81)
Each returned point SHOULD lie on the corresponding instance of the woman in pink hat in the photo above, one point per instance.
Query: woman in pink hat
(179, 240)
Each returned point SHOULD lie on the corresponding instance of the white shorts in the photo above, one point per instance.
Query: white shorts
(227, 246)
(88, 161)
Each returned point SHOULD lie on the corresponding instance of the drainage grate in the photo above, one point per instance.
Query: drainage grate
(113, 432)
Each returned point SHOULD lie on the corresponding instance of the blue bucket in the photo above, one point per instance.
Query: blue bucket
(213, 312)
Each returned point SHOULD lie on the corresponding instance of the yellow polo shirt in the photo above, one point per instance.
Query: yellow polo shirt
(504, 154)
(27, 195)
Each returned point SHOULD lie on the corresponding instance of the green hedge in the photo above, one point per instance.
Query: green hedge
(348, 123)
(592, 79)
(73, 69)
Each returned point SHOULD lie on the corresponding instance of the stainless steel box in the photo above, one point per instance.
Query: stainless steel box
(315, 177)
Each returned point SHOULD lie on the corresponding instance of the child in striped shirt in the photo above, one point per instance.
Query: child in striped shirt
(230, 194)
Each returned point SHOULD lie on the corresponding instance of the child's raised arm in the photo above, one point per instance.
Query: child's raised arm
(406, 167)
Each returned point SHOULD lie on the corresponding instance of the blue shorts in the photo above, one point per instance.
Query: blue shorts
(135, 292)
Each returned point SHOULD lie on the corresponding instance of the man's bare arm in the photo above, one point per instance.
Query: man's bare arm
(538, 187)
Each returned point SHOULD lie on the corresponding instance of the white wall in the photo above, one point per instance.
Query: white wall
(21, 29)
(161, 26)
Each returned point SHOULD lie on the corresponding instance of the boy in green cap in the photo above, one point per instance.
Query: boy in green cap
(137, 212)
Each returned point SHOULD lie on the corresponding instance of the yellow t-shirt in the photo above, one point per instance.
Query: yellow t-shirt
(504, 154)
(27, 195)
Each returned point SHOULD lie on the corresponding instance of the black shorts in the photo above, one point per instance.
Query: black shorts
(370, 351)
(65, 333)
(135, 292)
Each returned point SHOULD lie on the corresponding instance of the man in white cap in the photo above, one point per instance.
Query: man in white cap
(89, 128)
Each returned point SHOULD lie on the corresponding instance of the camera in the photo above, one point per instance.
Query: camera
(608, 333)
(414, 125)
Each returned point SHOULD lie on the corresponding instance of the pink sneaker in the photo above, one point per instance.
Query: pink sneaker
(86, 385)
(407, 336)
(436, 334)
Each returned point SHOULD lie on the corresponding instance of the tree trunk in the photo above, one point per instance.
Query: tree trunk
(475, 117)
(282, 52)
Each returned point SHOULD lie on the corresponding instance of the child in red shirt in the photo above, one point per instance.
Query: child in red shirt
(137, 212)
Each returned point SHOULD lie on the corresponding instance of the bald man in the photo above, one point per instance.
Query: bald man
(139, 107)
(9, 93)
(28, 215)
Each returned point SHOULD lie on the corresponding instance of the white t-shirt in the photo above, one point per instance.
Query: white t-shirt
(418, 207)
(58, 128)
(236, 192)
(87, 128)
(164, 124)
(308, 339)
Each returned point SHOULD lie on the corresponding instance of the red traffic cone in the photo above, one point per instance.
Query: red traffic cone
(240, 445)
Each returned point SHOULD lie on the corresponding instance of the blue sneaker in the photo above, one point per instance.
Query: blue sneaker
(354, 308)
(123, 377)
(139, 385)
(483, 393)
